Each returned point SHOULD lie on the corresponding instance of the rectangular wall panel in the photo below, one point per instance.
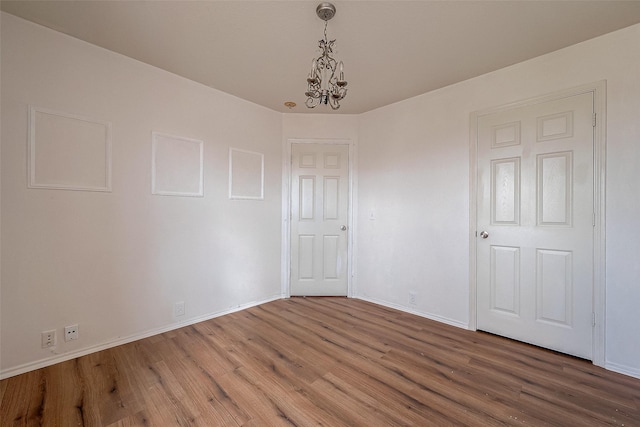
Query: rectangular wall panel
(177, 166)
(505, 279)
(554, 286)
(505, 191)
(307, 197)
(331, 197)
(246, 174)
(331, 257)
(305, 256)
(68, 152)
(555, 188)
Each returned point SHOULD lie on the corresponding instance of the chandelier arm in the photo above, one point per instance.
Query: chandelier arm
(334, 103)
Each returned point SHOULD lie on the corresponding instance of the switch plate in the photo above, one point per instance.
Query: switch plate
(48, 338)
(412, 298)
(178, 309)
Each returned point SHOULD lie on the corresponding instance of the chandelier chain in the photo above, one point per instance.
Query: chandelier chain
(325, 30)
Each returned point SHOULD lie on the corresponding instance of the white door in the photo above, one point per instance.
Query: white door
(535, 219)
(319, 212)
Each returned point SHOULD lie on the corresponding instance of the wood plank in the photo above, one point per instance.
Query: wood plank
(321, 361)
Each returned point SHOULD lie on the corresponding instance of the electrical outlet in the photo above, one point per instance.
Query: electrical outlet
(412, 298)
(71, 332)
(178, 309)
(48, 338)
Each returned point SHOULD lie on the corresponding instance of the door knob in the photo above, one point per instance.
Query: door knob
(484, 234)
(343, 228)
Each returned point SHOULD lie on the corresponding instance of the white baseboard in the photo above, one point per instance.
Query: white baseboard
(31, 366)
(21, 369)
(622, 369)
(430, 316)
(615, 367)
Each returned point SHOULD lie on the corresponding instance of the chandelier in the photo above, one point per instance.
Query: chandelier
(326, 83)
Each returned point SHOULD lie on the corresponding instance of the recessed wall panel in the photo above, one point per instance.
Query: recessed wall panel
(555, 188)
(68, 152)
(307, 197)
(331, 197)
(506, 135)
(505, 279)
(305, 256)
(505, 191)
(554, 286)
(330, 257)
(555, 126)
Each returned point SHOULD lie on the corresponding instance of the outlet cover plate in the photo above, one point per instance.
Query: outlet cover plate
(71, 333)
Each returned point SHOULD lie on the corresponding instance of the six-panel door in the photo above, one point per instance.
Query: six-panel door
(535, 205)
(319, 212)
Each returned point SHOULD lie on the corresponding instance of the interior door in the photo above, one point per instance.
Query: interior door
(319, 212)
(535, 219)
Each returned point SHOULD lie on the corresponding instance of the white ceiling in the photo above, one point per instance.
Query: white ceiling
(261, 51)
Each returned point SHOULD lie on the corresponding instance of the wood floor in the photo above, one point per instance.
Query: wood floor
(321, 361)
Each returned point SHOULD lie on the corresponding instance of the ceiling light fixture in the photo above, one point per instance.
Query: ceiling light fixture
(326, 83)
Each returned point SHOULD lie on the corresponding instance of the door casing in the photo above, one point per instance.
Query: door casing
(286, 212)
(599, 175)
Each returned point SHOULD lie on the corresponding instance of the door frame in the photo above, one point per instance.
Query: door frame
(286, 210)
(599, 187)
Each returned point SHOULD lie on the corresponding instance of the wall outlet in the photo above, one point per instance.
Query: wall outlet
(48, 339)
(412, 298)
(178, 309)
(71, 332)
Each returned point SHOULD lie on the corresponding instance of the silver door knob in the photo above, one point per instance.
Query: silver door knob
(484, 234)
(343, 228)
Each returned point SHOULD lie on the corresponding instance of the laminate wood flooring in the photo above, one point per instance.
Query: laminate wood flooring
(321, 361)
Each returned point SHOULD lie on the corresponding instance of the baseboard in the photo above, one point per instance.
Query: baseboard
(615, 367)
(622, 369)
(430, 316)
(27, 367)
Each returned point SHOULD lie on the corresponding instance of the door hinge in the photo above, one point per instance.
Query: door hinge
(593, 319)
(594, 119)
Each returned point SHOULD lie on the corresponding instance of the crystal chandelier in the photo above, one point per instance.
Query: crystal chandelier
(326, 83)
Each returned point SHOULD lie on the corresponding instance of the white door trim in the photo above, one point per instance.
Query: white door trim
(599, 186)
(286, 212)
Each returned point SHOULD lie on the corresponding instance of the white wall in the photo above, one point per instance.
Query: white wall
(414, 172)
(320, 126)
(115, 263)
